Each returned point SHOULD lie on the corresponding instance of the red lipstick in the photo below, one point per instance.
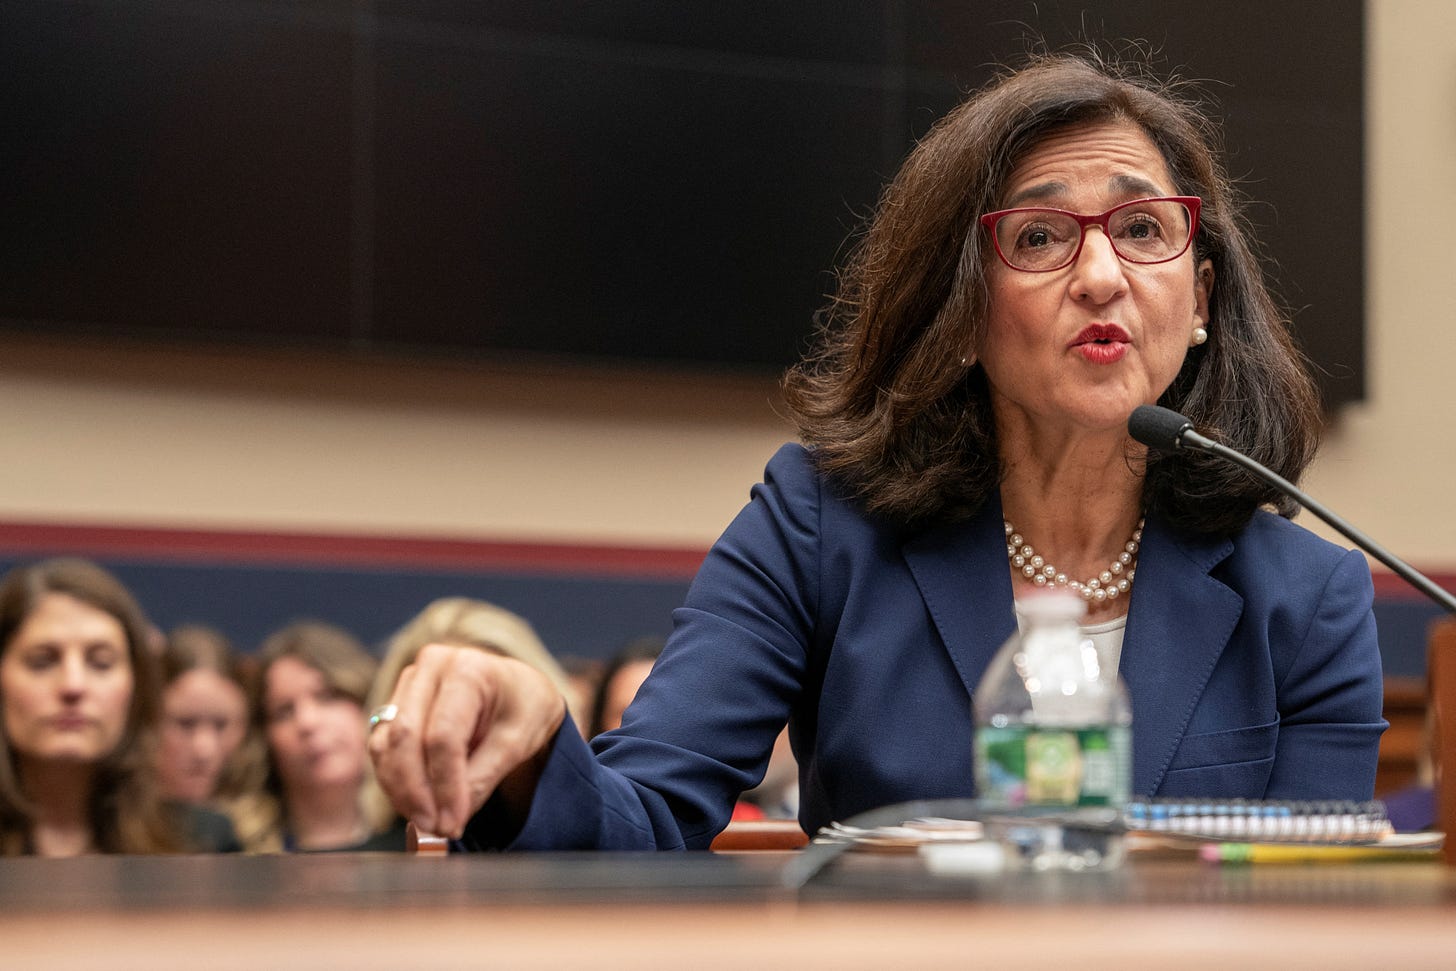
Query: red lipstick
(1102, 343)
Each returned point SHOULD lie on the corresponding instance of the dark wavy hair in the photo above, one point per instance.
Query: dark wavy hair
(901, 425)
(126, 811)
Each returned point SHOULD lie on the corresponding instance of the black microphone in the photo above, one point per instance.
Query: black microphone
(1169, 431)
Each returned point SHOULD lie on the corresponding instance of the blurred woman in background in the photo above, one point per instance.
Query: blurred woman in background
(309, 704)
(204, 714)
(79, 701)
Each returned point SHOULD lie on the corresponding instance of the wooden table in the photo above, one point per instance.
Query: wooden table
(602, 911)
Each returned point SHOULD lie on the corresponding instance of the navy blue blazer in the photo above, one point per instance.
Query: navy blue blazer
(1251, 664)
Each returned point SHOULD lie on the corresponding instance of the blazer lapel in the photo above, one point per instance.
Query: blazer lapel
(1178, 623)
(962, 575)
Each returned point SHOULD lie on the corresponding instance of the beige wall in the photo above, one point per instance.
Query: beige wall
(1389, 463)
(299, 442)
(223, 439)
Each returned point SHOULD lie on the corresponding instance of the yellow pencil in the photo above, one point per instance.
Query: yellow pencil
(1301, 853)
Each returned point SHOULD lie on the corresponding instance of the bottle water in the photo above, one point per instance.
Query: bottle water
(1053, 743)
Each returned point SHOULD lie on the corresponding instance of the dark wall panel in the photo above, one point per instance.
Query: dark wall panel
(641, 179)
(165, 171)
(542, 200)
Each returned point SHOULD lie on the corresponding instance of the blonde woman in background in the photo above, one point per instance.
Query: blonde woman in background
(461, 622)
(312, 682)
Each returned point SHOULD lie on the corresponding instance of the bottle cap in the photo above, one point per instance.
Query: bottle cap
(1052, 606)
(964, 859)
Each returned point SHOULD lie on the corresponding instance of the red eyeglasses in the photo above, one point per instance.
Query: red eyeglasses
(1141, 231)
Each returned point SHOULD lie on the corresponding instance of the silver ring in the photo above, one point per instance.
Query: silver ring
(382, 714)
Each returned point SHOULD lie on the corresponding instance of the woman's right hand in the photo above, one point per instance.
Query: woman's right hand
(469, 723)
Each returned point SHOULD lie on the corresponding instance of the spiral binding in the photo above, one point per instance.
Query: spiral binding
(1292, 821)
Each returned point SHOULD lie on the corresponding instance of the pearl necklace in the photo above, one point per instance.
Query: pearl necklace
(1111, 583)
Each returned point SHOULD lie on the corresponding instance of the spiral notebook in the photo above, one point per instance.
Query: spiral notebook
(1152, 826)
(1260, 820)
(1201, 820)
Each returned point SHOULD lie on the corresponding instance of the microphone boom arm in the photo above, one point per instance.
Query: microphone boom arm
(1191, 438)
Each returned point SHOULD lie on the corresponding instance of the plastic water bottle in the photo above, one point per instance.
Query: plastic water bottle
(1054, 739)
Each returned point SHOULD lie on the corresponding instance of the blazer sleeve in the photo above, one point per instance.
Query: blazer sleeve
(703, 725)
(1331, 696)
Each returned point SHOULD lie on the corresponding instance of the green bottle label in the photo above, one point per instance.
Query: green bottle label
(1023, 765)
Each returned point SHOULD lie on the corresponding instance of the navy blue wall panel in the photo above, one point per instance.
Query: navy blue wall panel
(576, 612)
(586, 616)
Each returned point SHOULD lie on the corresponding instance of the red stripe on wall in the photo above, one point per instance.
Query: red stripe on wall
(356, 550)
(195, 545)
(1391, 586)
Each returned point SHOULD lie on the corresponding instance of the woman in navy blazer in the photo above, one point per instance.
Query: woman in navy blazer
(1062, 248)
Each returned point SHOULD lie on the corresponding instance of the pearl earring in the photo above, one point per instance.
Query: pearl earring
(968, 360)
(1199, 336)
